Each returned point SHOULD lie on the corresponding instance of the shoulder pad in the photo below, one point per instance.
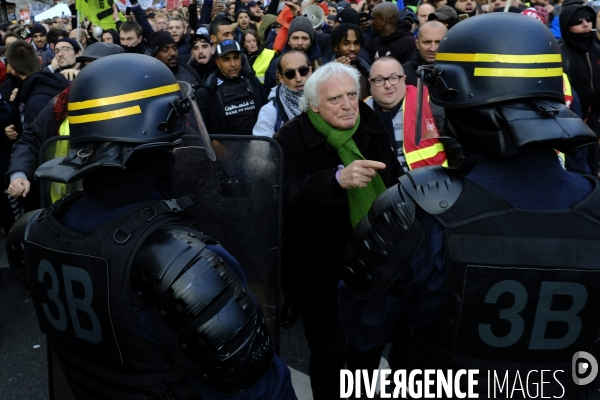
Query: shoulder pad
(199, 296)
(435, 189)
(15, 245)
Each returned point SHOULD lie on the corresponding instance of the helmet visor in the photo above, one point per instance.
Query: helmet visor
(195, 130)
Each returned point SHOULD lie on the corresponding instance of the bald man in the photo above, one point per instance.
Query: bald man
(423, 12)
(427, 42)
(392, 39)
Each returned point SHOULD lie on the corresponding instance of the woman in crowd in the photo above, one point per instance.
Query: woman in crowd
(259, 57)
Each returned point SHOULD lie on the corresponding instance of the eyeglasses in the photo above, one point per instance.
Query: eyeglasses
(580, 20)
(291, 73)
(393, 79)
(63, 50)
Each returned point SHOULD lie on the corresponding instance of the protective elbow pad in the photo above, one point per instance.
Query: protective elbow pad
(388, 238)
(198, 295)
(15, 246)
(390, 218)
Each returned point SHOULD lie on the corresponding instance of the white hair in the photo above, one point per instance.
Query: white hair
(327, 72)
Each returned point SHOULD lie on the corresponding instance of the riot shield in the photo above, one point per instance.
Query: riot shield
(55, 147)
(238, 202)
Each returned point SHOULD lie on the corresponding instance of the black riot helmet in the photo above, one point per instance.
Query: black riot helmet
(120, 105)
(496, 57)
(500, 78)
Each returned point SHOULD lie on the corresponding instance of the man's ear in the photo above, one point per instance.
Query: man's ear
(213, 38)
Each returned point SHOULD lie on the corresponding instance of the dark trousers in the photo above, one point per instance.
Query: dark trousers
(329, 352)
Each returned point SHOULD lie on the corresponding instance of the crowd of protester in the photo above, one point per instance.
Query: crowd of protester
(249, 63)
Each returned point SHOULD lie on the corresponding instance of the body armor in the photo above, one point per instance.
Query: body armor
(519, 292)
(88, 290)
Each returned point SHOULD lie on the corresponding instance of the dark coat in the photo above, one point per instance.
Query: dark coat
(400, 44)
(210, 104)
(410, 68)
(184, 51)
(582, 66)
(185, 73)
(316, 207)
(37, 90)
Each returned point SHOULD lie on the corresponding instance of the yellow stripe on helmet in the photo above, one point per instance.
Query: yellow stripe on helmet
(518, 72)
(103, 116)
(500, 58)
(123, 98)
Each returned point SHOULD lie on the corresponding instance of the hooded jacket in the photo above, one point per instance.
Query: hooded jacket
(580, 64)
(37, 90)
(400, 44)
(115, 36)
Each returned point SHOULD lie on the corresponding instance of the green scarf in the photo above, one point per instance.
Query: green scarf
(359, 199)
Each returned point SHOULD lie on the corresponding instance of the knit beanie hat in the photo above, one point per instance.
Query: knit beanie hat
(301, 24)
(38, 28)
(158, 40)
(72, 42)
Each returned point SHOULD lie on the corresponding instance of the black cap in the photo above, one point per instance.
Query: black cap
(227, 46)
(348, 16)
(201, 33)
(99, 50)
(443, 13)
(251, 4)
(342, 5)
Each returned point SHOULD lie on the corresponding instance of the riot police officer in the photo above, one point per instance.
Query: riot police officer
(135, 301)
(494, 265)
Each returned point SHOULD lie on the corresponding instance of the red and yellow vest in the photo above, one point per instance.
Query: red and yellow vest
(430, 150)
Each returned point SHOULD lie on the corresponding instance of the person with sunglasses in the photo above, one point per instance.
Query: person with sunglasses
(581, 60)
(293, 70)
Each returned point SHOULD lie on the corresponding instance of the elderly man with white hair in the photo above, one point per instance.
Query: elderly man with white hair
(338, 159)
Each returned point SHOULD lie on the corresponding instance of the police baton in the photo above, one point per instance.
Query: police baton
(418, 131)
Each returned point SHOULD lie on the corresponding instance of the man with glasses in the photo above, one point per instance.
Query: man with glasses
(292, 71)
(66, 51)
(395, 104)
(231, 97)
(337, 160)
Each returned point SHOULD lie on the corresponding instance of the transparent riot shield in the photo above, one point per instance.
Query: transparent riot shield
(238, 202)
(55, 147)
